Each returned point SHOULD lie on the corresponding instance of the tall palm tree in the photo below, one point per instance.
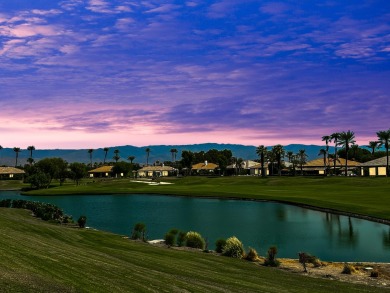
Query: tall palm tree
(354, 149)
(116, 156)
(279, 152)
(335, 137)
(302, 157)
(261, 152)
(147, 150)
(17, 151)
(346, 140)
(31, 148)
(1, 147)
(384, 140)
(90, 151)
(173, 153)
(105, 154)
(324, 153)
(373, 145)
(131, 159)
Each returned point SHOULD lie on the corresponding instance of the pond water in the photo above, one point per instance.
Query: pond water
(257, 224)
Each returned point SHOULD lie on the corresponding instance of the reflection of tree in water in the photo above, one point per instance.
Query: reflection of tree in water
(386, 238)
(346, 236)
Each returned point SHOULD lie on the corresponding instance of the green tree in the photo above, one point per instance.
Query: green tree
(77, 171)
(106, 149)
(1, 147)
(54, 168)
(131, 159)
(116, 156)
(31, 148)
(187, 159)
(346, 140)
(173, 153)
(373, 145)
(261, 151)
(335, 138)
(17, 151)
(384, 140)
(90, 151)
(122, 168)
(147, 150)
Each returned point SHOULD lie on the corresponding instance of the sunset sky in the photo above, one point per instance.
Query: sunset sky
(96, 73)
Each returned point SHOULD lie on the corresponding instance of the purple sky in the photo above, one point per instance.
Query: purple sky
(96, 73)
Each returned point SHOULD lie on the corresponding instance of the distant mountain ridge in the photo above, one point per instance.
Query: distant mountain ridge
(158, 152)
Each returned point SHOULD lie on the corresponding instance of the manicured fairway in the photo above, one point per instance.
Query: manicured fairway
(36, 256)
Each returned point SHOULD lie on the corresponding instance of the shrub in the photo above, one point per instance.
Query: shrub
(219, 244)
(305, 258)
(82, 221)
(271, 260)
(233, 248)
(195, 240)
(252, 255)
(139, 232)
(181, 238)
(348, 269)
(6, 203)
(169, 239)
(374, 274)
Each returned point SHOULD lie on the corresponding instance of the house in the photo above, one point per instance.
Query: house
(316, 167)
(156, 171)
(104, 171)
(255, 170)
(244, 167)
(11, 173)
(204, 168)
(375, 167)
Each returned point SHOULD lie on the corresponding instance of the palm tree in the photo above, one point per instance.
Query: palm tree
(384, 140)
(105, 154)
(302, 159)
(373, 145)
(335, 137)
(31, 148)
(324, 153)
(354, 149)
(346, 139)
(1, 147)
(173, 152)
(278, 150)
(147, 150)
(116, 156)
(17, 151)
(261, 152)
(90, 151)
(131, 159)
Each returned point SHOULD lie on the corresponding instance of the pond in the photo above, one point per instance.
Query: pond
(257, 224)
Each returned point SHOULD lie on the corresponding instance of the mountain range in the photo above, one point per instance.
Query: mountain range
(158, 152)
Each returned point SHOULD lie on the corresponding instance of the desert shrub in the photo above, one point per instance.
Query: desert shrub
(169, 239)
(252, 255)
(271, 260)
(181, 238)
(374, 274)
(195, 240)
(233, 248)
(219, 244)
(305, 258)
(82, 221)
(139, 232)
(348, 269)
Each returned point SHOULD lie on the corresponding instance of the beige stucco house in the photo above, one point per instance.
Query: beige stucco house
(316, 167)
(375, 167)
(104, 171)
(255, 170)
(11, 172)
(156, 171)
(204, 168)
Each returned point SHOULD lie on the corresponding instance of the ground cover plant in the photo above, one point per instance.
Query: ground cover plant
(38, 256)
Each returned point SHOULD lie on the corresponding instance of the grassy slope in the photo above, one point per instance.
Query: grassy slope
(40, 257)
(362, 195)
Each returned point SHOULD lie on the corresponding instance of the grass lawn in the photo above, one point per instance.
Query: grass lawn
(360, 195)
(37, 256)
